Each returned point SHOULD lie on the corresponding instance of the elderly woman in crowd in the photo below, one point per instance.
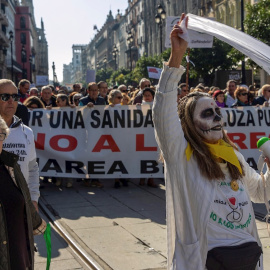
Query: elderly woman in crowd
(18, 216)
(33, 102)
(115, 98)
(241, 95)
(76, 99)
(209, 185)
(219, 97)
(126, 99)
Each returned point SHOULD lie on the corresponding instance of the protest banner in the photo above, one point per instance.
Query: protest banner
(42, 80)
(154, 73)
(103, 142)
(106, 142)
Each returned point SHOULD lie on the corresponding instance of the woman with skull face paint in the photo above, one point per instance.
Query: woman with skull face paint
(209, 185)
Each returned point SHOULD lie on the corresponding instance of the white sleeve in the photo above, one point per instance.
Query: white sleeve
(254, 182)
(168, 130)
(33, 169)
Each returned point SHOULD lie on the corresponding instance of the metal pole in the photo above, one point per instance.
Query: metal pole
(187, 72)
(130, 58)
(160, 37)
(11, 60)
(30, 72)
(243, 30)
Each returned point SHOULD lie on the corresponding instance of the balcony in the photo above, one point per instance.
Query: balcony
(4, 2)
(3, 39)
(3, 19)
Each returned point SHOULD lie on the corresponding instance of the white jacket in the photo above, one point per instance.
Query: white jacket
(189, 195)
(20, 141)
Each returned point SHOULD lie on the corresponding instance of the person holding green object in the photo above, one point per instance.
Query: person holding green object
(19, 220)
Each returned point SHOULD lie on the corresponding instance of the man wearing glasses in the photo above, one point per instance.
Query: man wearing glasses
(230, 97)
(92, 98)
(21, 138)
(103, 90)
(144, 83)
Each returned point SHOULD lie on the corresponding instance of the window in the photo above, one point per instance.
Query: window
(22, 23)
(23, 38)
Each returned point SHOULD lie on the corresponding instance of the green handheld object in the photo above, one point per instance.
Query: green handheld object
(47, 237)
(261, 141)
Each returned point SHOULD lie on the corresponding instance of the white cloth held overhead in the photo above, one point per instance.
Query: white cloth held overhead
(185, 35)
(258, 51)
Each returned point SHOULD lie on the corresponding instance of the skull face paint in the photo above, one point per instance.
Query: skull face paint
(207, 120)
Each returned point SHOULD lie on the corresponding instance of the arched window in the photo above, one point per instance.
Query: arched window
(22, 23)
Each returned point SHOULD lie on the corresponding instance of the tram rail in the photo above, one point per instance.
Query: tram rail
(88, 261)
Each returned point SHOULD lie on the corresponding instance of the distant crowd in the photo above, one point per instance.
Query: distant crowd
(48, 97)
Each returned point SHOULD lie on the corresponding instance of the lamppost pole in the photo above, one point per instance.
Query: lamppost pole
(159, 18)
(23, 52)
(130, 41)
(105, 61)
(30, 62)
(243, 30)
(11, 50)
(115, 53)
(54, 74)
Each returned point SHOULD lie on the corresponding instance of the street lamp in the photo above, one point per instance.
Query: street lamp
(11, 50)
(243, 30)
(130, 41)
(30, 62)
(159, 18)
(105, 61)
(23, 58)
(115, 53)
(97, 64)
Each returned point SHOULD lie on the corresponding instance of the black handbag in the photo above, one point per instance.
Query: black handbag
(242, 257)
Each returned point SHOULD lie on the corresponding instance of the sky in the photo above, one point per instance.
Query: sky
(69, 22)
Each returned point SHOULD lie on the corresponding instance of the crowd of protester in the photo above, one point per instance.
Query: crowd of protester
(99, 93)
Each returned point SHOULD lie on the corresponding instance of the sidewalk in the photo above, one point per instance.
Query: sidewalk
(125, 227)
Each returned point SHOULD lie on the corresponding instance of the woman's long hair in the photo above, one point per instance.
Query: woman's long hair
(207, 163)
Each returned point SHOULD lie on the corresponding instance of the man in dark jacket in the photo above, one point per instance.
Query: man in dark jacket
(93, 98)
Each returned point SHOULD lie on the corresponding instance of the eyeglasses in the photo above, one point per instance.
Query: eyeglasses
(243, 94)
(6, 97)
(148, 85)
(2, 136)
(119, 97)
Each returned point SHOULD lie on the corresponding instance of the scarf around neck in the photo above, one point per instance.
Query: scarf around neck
(222, 150)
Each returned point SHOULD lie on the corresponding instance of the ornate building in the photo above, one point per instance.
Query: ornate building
(4, 42)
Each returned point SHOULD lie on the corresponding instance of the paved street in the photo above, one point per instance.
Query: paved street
(124, 227)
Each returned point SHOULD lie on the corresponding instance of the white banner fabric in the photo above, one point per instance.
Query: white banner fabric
(258, 51)
(197, 39)
(106, 142)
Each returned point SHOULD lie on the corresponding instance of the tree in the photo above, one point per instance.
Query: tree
(103, 74)
(140, 70)
(208, 60)
(257, 21)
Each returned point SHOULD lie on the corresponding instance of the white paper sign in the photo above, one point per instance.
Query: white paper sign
(197, 39)
(42, 80)
(154, 73)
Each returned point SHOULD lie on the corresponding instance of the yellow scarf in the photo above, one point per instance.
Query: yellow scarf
(220, 150)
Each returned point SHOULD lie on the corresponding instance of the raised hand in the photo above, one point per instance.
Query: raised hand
(178, 44)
